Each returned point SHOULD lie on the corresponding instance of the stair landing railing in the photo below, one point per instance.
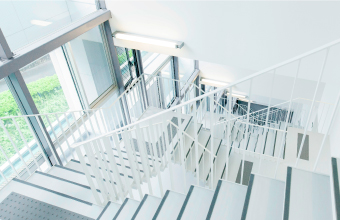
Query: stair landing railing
(253, 85)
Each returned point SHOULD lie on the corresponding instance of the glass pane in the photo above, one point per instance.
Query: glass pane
(51, 86)
(152, 62)
(89, 63)
(127, 64)
(8, 107)
(168, 84)
(186, 68)
(23, 22)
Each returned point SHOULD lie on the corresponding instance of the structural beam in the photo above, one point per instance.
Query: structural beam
(38, 49)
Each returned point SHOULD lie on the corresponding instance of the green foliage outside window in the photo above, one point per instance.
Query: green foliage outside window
(48, 96)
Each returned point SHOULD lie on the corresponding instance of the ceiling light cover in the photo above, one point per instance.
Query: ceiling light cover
(203, 80)
(40, 23)
(148, 40)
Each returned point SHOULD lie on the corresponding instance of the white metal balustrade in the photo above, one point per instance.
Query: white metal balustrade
(164, 156)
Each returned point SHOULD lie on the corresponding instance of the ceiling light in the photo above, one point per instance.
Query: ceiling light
(41, 23)
(239, 96)
(213, 82)
(148, 40)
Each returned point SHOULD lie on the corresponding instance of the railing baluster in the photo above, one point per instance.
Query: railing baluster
(106, 146)
(105, 169)
(196, 145)
(89, 119)
(168, 150)
(287, 117)
(105, 125)
(96, 120)
(156, 158)
(144, 157)
(211, 140)
(181, 145)
(128, 147)
(228, 133)
(96, 170)
(10, 163)
(312, 107)
(88, 176)
(56, 137)
(121, 159)
(14, 146)
(25, 142)
(63, 133)
(70, 128)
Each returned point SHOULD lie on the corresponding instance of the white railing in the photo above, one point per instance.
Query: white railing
(264, 85)
(22, 150)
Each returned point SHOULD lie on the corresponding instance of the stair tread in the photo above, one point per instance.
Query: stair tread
(228, 201)
(127, 209)
(203, 138)
(147, 208)
(265, 199)
(196, 204)
(170, 206)
(56, 184)
(308, 195)
(269, 148)
(336, 184)
(56, 199)
(75, 165)
(205, 163)
(110, 211)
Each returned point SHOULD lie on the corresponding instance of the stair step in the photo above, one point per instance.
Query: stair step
(75, 165)
(203, 139)
(308, 195)
(264, 199)
(52, 197)
(278, 144)
(170, 206)
(205, 164)
(220, 164)
(261, 140)
(196, 204)
(109, 211)
(228, 201)
(147, 208)
(61, 185)
(127, 209)
(269, 148)
(336, 184)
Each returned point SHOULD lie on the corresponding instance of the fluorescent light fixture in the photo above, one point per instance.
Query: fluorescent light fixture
(214, 82)
(40, 23)
(239, 96)
(148, 40)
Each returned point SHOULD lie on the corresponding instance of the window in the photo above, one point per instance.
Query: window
(23, 22)
(168, 84)
(152, 62)
(88, 59)
(186, 69)
(8, 107)
(127, 62)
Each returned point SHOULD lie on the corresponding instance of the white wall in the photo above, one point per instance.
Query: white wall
(249, 35)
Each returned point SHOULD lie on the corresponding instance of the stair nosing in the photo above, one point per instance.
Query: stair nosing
(185, 202)
(64, 180)
(121, 208)
(336, 186)
(161, 205)
(52, 191)
(139, 206)
(213, 202)
(287, 193)
(104, 210)
(247, 199)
